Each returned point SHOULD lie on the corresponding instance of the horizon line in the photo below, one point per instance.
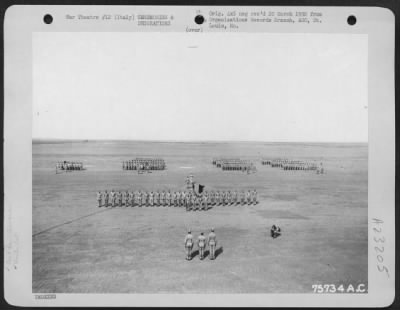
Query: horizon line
(195, 141)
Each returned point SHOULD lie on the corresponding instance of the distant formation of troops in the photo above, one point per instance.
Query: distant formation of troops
(234, 164)
(187, 199)
(144, 164)
(288, 164)
(69, 165)
(211, 241)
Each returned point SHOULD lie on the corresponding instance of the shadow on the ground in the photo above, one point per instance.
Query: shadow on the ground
(219, 251)
(206, 253)
(195, 253)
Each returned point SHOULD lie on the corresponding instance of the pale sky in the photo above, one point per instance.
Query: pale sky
(207, 86)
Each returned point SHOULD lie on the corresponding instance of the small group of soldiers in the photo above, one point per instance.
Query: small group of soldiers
(234, 164)
(188, 199)
(211, 241)
(288, 164)
(69, 165)
(144, 164)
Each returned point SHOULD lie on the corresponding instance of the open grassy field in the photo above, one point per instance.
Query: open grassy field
(80, 248)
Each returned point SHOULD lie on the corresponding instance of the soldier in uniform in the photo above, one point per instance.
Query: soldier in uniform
(131, 199)
(235, 197)
(217, 198)
(178, 198)
(151, 199)
(242, 198)
(144, 198)
(182, 198)
(120, 198)
(189, 245)
(157, 198)
(187, 201)
(99, 198)
(192, 202)
(222, 198)
(112, 195)
(255, 197)
(126, 199)
(168, 198)
(248, 197)
(106, 199)
(162, 198)
(201, 243)
(212, 243)
(139, 196)
(174, 199)
(211, 197)
(229, 198)
(205, 201)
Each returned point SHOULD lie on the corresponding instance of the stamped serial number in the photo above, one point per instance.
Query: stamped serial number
(379, 245)
(332, 288)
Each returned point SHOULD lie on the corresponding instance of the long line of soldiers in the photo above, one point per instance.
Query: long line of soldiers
(288, 164)
(188, 199)
(69, 165)
(144, 164)
(233, 164)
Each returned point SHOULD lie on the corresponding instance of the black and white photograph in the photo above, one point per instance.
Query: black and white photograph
(208, 160)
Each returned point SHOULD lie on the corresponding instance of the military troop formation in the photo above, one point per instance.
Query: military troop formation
(202, 242)
(288, 164)
(234, 164)
(144, 164)
(69, 166)
(187, 199)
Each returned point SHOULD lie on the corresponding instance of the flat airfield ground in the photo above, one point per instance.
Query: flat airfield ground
(80, 248)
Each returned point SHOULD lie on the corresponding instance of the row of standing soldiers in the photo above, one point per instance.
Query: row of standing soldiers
(144, 164)
(69, 165)
(188, 199)
(233, 164)
(201, 243)
(287, 164)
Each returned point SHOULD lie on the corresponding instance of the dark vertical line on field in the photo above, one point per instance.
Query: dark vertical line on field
(69, 222)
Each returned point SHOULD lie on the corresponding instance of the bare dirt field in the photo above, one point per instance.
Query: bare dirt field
(80, 248)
